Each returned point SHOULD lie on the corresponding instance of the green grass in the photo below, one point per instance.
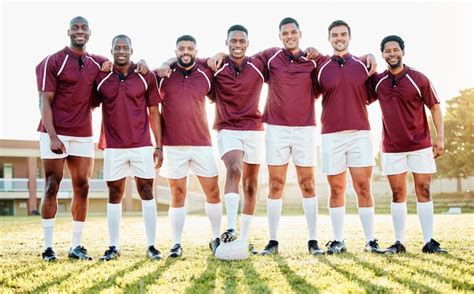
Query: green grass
(22, 270)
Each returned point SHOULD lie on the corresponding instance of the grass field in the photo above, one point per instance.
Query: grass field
(22, 270)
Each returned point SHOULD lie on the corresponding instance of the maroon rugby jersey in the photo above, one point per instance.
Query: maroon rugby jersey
(70, 76)
(290, 100)
(183, 94)
(343, 83)
(402, 99)
(125, 122)
(237, 93)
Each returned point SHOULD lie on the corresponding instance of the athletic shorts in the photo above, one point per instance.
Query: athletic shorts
(122, 162)
(419, 161)
(178, 160)
(345, 149)
(76, 146)
(250, 142)
(283, 141)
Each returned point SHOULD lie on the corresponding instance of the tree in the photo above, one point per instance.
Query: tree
(457, 161)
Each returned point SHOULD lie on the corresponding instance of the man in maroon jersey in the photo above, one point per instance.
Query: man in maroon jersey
(187, 141)
(406, 145)
(126, 96)
(346, 142)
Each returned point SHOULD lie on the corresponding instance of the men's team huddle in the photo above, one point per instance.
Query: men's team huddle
(169, 103)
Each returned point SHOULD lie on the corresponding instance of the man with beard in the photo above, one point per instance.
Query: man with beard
(406, 145)
(346, 142)
(187, 141)
(126, 96)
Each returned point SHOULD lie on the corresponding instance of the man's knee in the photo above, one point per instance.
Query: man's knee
(276, 184)
(307, 186)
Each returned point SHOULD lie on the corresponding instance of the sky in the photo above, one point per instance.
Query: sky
(438, 38)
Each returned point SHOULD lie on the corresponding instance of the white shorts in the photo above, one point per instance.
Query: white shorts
(76, 146)
(177, 160)
(122, 162)
(250, 142)
(345, 149)
(419, 161)
(283, 141)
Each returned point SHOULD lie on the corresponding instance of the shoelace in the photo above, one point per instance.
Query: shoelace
(331, 243)
(82, 249)
(110, 251)
(154, 250)
(49, 251)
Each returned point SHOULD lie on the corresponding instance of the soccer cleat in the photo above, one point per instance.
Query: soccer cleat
(176, 251)
(395, 248)
(153, 253)
(214, 244)
(252, 249)
(109, 254)
(229, 236)
(433, 247)
(79, 253)
(335, 247)
(373, 247)
(271, 248)
(49, 255)
(313, 248)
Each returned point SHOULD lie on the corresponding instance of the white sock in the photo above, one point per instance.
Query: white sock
(310, 208)
(366, 215)
(399, 219)
(425, 213)
(48, 230)
(337, 220)
(274, 207)
(245, 221)
(114, 216)
(149, 217)
(231, 209)
(177, 216)
(214, 213)
(77, 229)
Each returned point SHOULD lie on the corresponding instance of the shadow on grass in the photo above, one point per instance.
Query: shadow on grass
(228, 270)
(297, 283)
(409, 283)
(448, 257)
(140, 285)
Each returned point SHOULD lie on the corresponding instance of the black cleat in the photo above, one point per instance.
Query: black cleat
(229, 236)
(395, 248)
(252, 249)
(109, 254)
(214, 244)
(335, 247)
(79, 253)
(153, 253)
(176, 251)
(49, 255)
(271, 248)
(433, 247)
(373, 247)
(313, 248)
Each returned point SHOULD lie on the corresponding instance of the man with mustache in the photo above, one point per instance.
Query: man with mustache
(403, 93)
(187, 141)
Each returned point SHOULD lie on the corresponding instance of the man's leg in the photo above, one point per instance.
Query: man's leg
(398, 185)
(337, 202)
(177, 211)
(277, 178)
(310, 203)
(213, 205)
(250, 187)
(145, 190)
(233, 161)
(424, 204)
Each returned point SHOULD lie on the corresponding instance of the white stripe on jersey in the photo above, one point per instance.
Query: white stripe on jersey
(361, 63)
(101, 82)
(321, 70)
(257, 70)
(96, 63)
(62, 66)
(377, 86)
(314, 62)
(144, 81)
(271, 58)
(207, 79)
(414, 85)
(44, 73)
(221, 69)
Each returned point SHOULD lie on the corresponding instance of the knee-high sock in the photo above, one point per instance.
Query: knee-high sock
(214, 213)
(149, 218)
(231, 209)
(366, 215)
(399, 219)
(274, 207)
(245, 221)
(48, 230)
(310, 208)
(114, 215)
(177, 216)
(337, 220)
(77, 230)
(425, 213)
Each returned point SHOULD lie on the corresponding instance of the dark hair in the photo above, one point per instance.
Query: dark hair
(392, 38)
(288, 20)
(78, 19)
(122, 37)
(237, 27)
(337, 23)
(186, 38)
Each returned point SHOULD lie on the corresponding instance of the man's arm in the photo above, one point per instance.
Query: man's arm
(165, 69)
(155, 124)
(438, 144)
(45, 100)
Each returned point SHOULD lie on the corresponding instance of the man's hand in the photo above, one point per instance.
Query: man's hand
(142, 67)
(438, 147)
(158, 157)
(57, 145)
(215, 62)
(311, 53)
(371, 64)
(107, 66)
(164, 71)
